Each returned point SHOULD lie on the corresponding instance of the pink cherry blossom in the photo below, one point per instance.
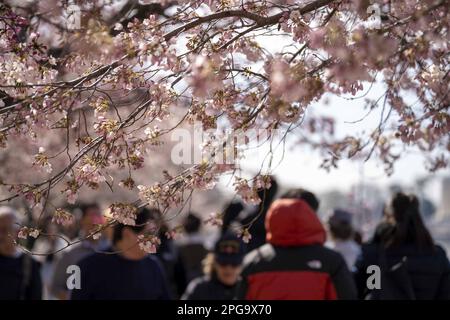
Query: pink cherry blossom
(124, 213)
(26, 232)
(148, 243)
(90, 112)
(214, 219)
(245, 235)
(62, 217)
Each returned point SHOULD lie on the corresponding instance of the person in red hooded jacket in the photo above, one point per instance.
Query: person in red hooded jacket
(294, 264)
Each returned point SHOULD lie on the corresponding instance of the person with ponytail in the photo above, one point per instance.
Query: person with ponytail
(412, 266)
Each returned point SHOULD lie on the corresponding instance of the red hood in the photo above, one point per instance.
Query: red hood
(291, 222)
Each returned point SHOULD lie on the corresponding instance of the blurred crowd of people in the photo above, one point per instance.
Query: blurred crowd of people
(291, 255)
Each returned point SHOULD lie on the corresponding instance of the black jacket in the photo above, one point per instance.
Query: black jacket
(428, 270)
(173, 266)
(20, 278)
(208, 288)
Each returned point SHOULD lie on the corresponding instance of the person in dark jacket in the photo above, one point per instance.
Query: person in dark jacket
(222, 269)
(90, 215)
(257, 217)
(20, 276)
(294, 264)
(169, 255)
(303, 194)
(231, 214)
(403, 244)
(125, 271)
(191, 247)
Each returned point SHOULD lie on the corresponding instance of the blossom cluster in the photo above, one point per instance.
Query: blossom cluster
(148, 243)
(62, 217)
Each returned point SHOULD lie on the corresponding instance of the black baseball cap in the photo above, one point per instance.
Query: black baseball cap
(229, 250)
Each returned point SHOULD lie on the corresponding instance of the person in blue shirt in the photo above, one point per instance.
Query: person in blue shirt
(91, 215)
(124, 271)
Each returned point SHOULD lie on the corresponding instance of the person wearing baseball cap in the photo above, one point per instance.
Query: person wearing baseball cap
(222, 269)
(341, 231)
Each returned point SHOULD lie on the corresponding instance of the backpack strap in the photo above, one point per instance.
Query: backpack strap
(396, 276)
